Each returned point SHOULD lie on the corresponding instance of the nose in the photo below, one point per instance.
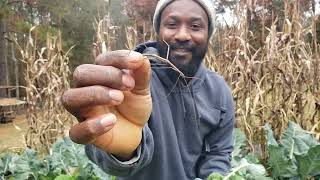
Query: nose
(182, 34)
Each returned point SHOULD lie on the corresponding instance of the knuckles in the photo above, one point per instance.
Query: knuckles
(89, 75)
(64, 99)
(83, 132)
(100, 58)
(79, 72)
(91, 128)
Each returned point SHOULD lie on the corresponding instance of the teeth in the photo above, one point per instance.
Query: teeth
(181, 50)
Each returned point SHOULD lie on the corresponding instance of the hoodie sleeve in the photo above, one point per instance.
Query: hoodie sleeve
(113, 166)
(219, 142)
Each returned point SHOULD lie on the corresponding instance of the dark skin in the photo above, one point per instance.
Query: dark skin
(186, 32)
(112, 99)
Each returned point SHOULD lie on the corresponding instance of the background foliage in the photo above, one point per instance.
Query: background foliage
(268, 53)
(296, 156)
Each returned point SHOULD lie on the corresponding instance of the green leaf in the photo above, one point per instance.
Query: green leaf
(67, 155)
(245, 168)
(19, 168)
(22, 176)
(281, 165)
(251, 177)
(255, 169)
(295, 178)
(37, 167)
(296, 140)
(239, 142)
(236, 177)
(251, 158)
(238, 147)
(27, 165)
(309, 164)
(269, 136)
(4, 164)
(65, 177)
(215, 176)
(100, 174)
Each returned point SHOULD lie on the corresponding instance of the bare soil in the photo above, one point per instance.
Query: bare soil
(12, 134)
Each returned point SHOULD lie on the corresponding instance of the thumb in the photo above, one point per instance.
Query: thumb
(142, 77)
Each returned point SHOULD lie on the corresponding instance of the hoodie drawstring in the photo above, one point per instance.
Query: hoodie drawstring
(182, 101)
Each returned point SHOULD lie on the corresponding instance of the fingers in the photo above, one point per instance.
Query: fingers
(75, 99)
(122, 59)
(142, 77)
(87, 131)
(131, 60)
(89, 75)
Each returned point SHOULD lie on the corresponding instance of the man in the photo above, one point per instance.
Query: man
(154, 123)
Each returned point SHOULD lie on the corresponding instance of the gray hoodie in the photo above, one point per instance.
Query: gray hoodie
(188, 135)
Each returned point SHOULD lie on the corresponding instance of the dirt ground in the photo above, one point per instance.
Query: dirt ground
(11, 134)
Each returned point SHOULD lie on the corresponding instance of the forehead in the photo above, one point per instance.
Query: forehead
(185, 8)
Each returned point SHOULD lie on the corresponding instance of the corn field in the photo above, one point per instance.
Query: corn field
(273, 72)
(46, 76)
(275, 81)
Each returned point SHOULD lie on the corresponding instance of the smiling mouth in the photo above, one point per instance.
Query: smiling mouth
(181, 51)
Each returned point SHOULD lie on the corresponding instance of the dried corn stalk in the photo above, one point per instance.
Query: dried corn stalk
(46, 75)
(274, 83)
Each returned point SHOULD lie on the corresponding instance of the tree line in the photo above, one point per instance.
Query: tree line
(75, 19)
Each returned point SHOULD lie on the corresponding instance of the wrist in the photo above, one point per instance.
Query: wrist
(125, 156)
(123, 144)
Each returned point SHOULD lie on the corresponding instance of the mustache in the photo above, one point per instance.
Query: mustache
(185, 46)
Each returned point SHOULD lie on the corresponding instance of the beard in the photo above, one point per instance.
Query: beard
(185, 56)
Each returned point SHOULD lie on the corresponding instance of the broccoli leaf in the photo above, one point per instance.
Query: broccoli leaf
(309, 164)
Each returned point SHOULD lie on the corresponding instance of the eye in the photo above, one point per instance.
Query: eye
(171, 25)
(195, 27)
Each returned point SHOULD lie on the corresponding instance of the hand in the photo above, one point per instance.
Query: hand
(112, 102)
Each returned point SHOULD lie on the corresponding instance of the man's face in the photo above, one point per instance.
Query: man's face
(184, 26)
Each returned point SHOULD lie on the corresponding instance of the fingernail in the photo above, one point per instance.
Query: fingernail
(108, 120)
(127, 81)
(135, 56)
(116, 95)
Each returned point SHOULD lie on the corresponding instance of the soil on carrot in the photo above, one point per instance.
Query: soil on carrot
(12, 134)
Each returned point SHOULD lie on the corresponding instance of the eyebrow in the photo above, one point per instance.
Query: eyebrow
(197, 19)
(174, 17)
(171, 17)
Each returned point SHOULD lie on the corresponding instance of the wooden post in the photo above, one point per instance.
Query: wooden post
(16, 67)
(3, 55)
(6, 64)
